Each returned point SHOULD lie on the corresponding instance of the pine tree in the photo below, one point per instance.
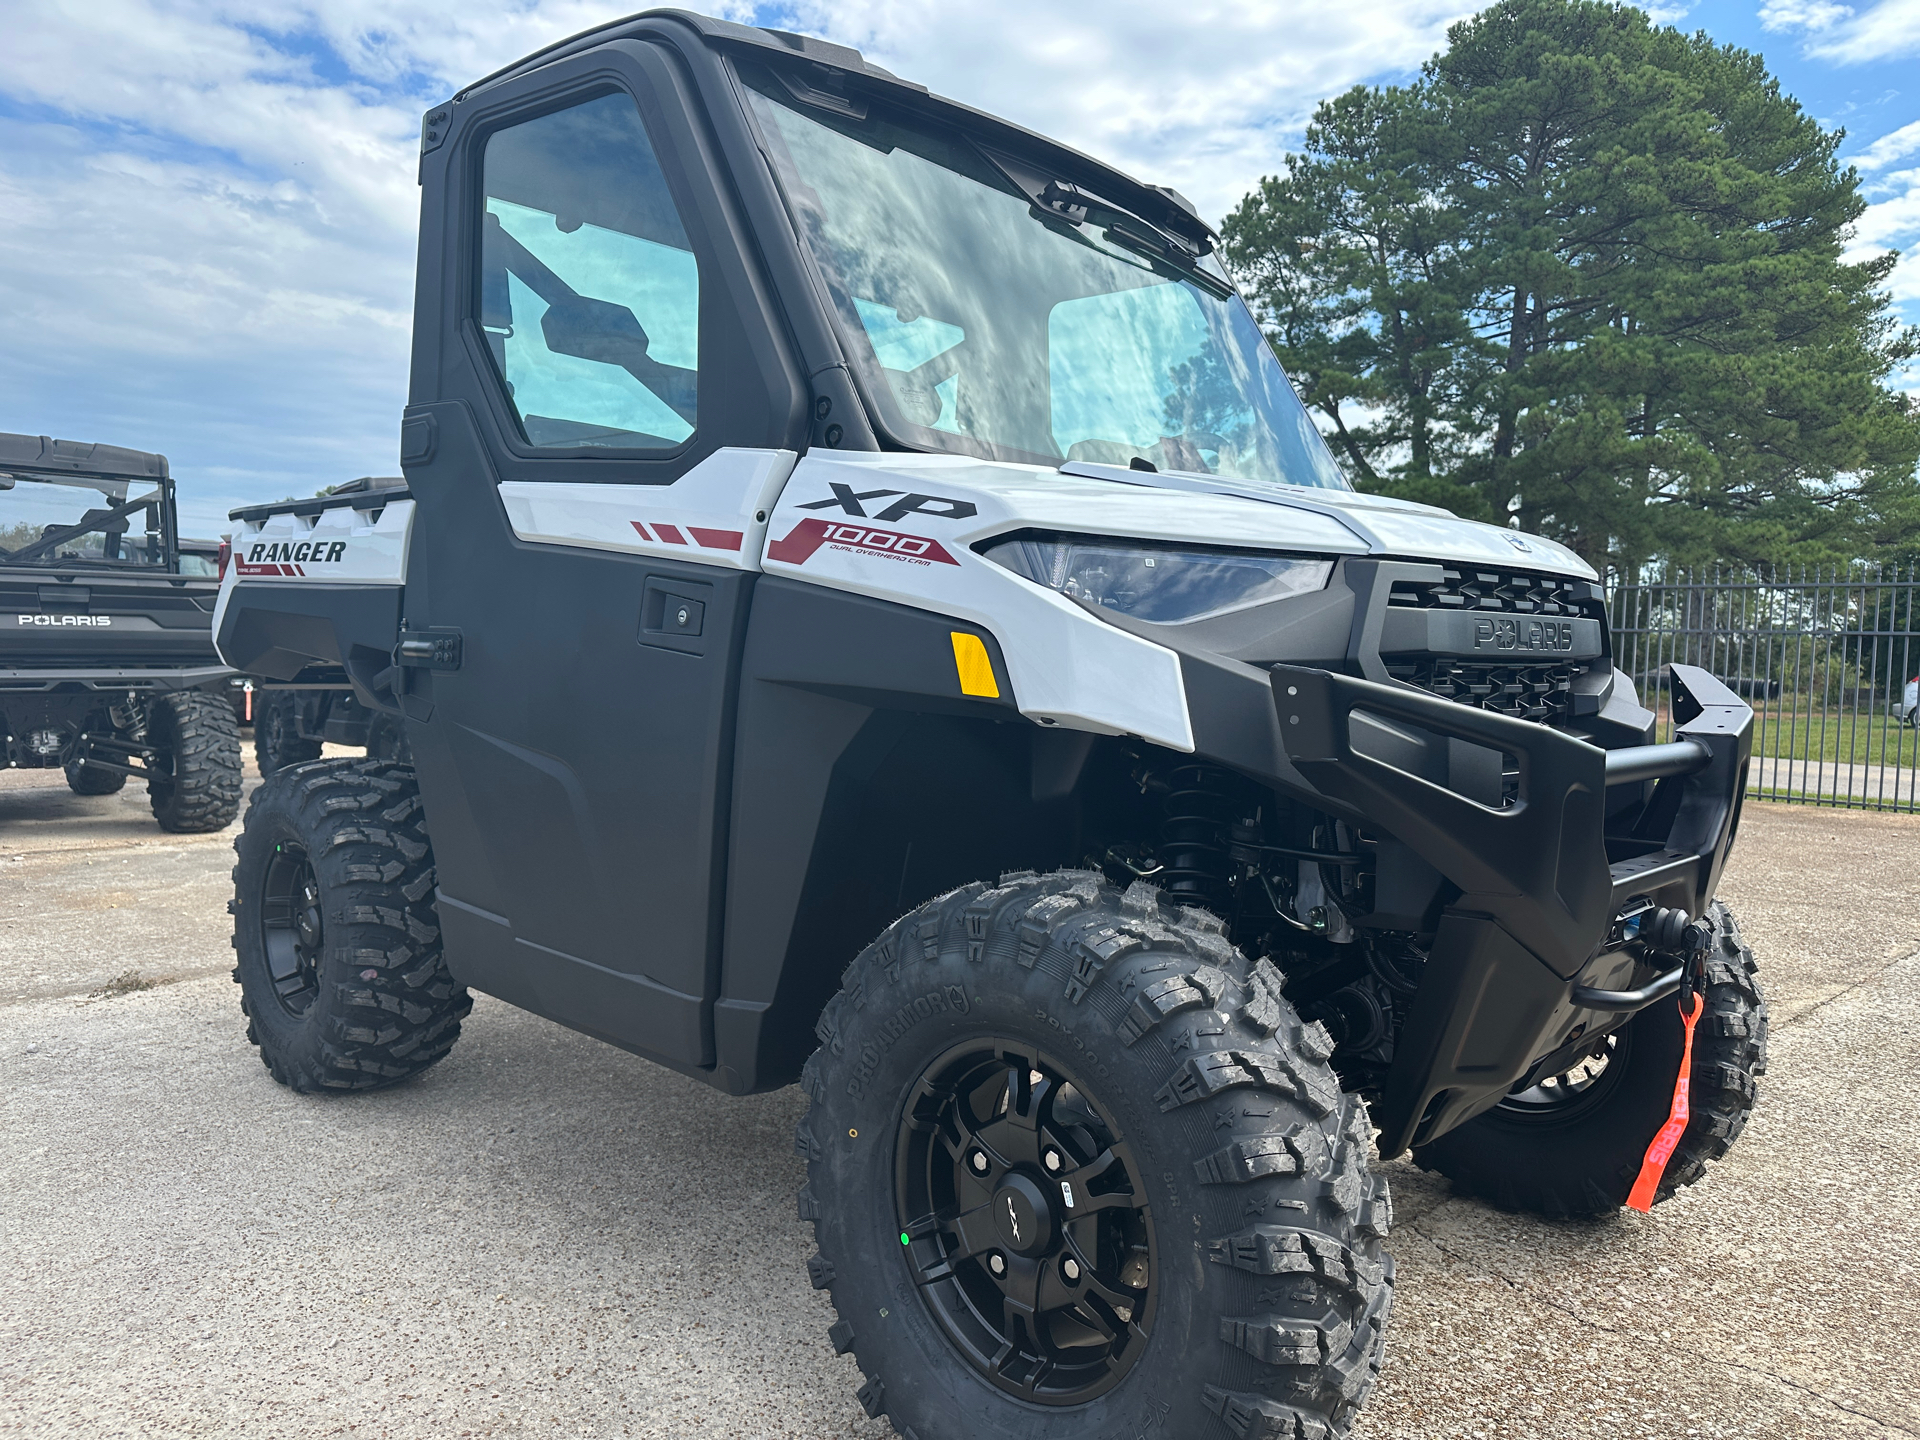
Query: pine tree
(1589, 271)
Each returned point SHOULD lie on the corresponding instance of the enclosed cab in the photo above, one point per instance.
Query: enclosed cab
(867, 609)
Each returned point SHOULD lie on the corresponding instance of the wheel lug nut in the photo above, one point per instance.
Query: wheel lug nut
(979, 1163)
(997, 1264)
(1053, 1161)
(1070, 1268)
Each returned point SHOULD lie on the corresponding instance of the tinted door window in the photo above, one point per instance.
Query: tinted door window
(589, 291)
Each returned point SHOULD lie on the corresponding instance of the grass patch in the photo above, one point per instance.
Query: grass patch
(1847, 738)
(1843, 737)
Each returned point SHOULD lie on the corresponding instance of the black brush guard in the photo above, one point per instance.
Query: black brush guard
(1520, 960)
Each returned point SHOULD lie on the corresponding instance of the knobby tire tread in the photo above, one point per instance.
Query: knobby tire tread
(1729, 1058)
(87, 780)
(276, 736)
(198, 739)
(1298, 1285)
(388, 1008)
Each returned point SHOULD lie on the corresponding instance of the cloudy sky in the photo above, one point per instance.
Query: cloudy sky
(207, 207)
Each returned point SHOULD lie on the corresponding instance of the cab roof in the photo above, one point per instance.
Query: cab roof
(46, 455)
(1157, 203)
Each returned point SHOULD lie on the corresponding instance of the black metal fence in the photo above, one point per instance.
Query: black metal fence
(1827, 659)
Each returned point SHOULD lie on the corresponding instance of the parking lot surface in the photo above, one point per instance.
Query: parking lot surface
(546, 1236)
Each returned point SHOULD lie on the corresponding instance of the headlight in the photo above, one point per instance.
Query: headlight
(1163, 586)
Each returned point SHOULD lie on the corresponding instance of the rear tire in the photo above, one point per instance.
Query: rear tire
(1581, 1156)
(86, 780)
(340, 969)
(1225, 1232)
(276, 734)
(197, 772)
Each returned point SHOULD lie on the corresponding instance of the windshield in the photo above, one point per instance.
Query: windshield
(984, 329)
(91, 520)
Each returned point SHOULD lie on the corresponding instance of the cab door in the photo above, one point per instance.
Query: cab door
(602, 409)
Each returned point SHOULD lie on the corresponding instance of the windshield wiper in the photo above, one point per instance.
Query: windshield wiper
(1058, 200)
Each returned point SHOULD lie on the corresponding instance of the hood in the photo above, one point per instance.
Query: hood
(1171, 507)
(1382, 525)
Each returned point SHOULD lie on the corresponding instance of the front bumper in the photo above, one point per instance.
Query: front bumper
(1521, 962)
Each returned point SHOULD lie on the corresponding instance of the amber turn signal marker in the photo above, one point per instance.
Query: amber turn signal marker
(976, 670)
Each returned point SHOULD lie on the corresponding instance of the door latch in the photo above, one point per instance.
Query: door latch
(436, 649)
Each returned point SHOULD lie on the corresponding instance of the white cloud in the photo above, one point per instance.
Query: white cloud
(1777, 15)
(1893, 223)
(1889, 148)
(210, 204)
(1887, 30)
(1205, 97)
(1891, 220)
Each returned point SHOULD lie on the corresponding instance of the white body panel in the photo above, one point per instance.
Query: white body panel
(1067, 667)
(1381, 524)
(340, 546)
(902, 527)
(710, 515)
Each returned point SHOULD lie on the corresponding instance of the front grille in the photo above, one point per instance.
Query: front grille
(1540, 690)
(1511, 592)
(1542, 693)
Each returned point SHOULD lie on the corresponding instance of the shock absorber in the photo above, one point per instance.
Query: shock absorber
(1197, 815)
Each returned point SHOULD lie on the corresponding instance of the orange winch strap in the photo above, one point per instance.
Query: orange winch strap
(1664, 1144)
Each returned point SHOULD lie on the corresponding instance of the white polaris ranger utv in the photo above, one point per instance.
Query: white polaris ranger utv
(868, 610)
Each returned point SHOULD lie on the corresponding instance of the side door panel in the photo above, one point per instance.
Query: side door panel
(575, 764)
(573, 772)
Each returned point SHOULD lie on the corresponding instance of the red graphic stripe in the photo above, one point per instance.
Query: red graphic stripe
(809, 535)
(716, 539)
(798, 547)
(641, 528)
(669, 533)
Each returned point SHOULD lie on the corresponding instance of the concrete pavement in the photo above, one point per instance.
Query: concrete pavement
(546, 1236)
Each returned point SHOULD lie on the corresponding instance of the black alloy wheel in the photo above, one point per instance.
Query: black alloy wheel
(1024, 1096)
(1580, 1088)
(293, 930)
(1023, 1218)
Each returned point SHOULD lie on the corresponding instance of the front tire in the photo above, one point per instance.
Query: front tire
(1192, 1225)
(341, 975)
(1573, 1145)
(197, 772)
